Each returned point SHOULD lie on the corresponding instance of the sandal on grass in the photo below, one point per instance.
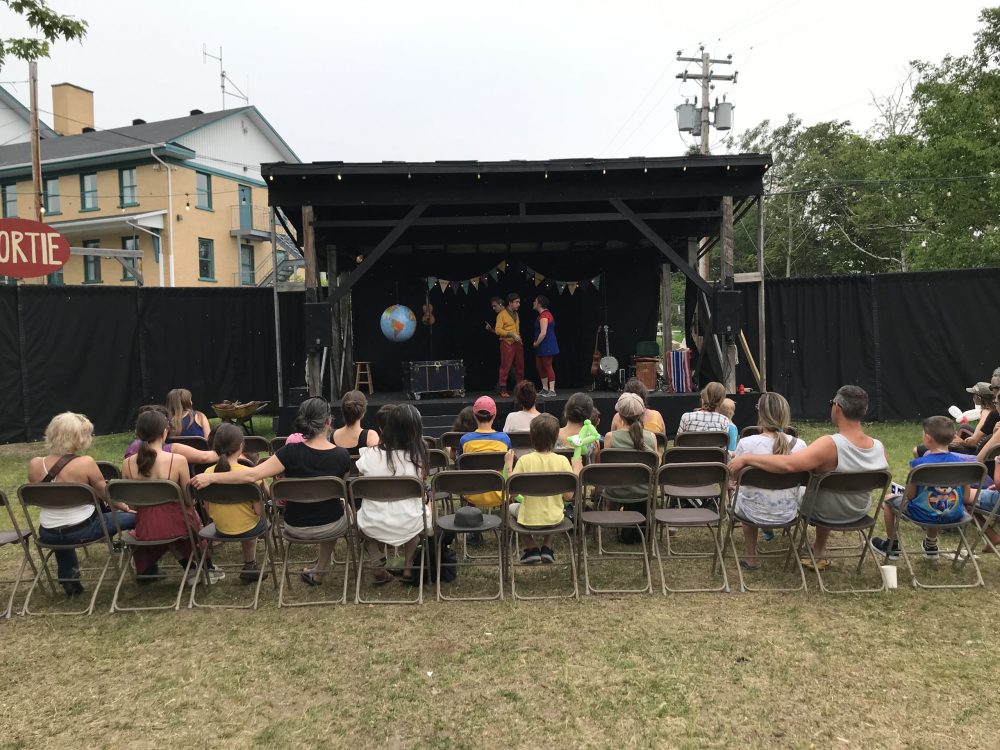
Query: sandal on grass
(311, 578)
(822, 563)
(382, 577)
(749, 567)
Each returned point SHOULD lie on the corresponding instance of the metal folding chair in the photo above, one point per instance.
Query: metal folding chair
(256, 444)
(277, 442)
(707, 439)
(146, 493)
(198, 443)
(57, 496)
(431, 442)
(943, 475)
(308, 491)
(843, 482)
(613, 475)
(468, 483)
(449, 441)
(699, 481)
(16, 536)
(109, 470)
(388, 490)
(487, 461)
(520, 442)
(437, 461)
(765, 480)
(661, 442)
(232, 494)
(704, 455)
(541, 484)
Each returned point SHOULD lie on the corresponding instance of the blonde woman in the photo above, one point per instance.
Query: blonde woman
(760, 506)
(707, 418)
(184, 420)
(67, 435)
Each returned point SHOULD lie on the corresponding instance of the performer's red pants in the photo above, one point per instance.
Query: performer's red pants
(510, 354)
(544, 367)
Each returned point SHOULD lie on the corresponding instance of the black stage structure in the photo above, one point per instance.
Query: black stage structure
(598, 237)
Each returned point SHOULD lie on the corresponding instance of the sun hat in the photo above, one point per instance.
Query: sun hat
(630, 405)
(980, 389)
(485, 405)
(469, 518)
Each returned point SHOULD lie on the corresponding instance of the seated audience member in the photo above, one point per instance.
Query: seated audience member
(984, 501)
(579, 408)
(315, 457)
(184, 420)
(241, 520)
(926, 504)
(66, 435)
(707, 417)
(169, 520)
(351, 435)
(465, 421)
(541, 511)
(762, 506)
(728, 410)
(193, 455)
(484, 440)
(525, 396)
(988, 421)
(848, 450)
(382, 416)
(629, 411)
(402, 453)
(651, 419)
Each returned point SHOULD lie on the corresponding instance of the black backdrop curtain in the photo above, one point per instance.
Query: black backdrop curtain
(12, 419)
(628, 298)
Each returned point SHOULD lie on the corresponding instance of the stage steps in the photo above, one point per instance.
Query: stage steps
(436, 425)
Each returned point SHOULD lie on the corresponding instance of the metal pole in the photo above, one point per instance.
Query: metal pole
(761, 331)
(277, 313)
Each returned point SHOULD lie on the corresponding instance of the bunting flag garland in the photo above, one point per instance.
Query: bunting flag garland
(514, 266)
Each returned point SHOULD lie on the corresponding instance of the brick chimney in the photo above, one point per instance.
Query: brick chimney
(72, 108)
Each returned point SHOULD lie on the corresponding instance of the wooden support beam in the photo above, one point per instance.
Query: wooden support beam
(662, 245)
(520, 218)
(378, 251)
(750, 360)
(730, 354)
(309, 252)
(761, 330)
(668, 330)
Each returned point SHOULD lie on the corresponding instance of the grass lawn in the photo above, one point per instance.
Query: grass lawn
(900, 670)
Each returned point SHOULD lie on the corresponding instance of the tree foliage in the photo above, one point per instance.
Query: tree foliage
(920, 190)
(51, 26)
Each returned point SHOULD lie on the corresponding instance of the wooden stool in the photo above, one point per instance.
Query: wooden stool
(363, 376)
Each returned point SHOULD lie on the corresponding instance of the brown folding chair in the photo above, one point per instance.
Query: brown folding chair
(751, 430)
(232, 494)
(431, 442)
(705, 455)
(308, 491)
(567, 453)
(146, 493)
(765, 480)
(256, 444)
(703, 482)
(196, 442)
(541, 484)
(707, 439)
(387, 490)
(843, 482)
(437, 461)
(520, 442)
(16, 536)
(461, 482)
(58, 496)
(109, 470)
(942, 475)
(449, 441)
(629, 456)
(276, 442)
(613, 475)
(487, 461)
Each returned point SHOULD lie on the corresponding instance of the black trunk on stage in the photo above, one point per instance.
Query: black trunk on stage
(628, 293)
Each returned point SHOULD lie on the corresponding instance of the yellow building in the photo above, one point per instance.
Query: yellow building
(181, 201)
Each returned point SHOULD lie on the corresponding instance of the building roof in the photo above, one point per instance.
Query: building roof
(19, 109)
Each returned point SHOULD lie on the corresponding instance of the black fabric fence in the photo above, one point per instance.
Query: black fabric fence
(914, 341)
(105, 351)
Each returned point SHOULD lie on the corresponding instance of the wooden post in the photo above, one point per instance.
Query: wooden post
(336, 346)
(761, 331)
(314, 356)
(668, 331)
(726, 267)
(36, 148)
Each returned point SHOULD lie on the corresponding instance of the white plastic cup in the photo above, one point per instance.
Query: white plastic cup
(889, 576)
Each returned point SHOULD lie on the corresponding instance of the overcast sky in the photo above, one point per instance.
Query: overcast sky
(435, 79)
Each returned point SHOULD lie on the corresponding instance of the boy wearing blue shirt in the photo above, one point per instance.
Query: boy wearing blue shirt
(926, 504)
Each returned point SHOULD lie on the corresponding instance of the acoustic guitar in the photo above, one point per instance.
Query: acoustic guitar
(596, 362)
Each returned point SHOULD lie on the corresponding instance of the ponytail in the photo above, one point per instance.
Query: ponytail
(228, 440)
(150, 426)
(145, 458)
(635, 432)
(780, 445)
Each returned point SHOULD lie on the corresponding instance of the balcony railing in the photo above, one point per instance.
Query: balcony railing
(250, 219)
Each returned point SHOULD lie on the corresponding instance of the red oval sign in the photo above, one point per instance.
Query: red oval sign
(30, 248)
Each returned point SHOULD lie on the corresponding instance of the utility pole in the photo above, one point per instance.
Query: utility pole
(36, 148)
(706, 77)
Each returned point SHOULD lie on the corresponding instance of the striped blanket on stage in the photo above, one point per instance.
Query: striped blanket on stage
(680, 370)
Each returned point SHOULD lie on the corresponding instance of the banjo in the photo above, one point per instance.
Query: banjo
(608, 364)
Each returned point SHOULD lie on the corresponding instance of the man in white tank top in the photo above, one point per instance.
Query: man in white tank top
(850, 449)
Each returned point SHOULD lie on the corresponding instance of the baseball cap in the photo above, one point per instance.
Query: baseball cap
(485, 405)
(980, 389)
(630, 405)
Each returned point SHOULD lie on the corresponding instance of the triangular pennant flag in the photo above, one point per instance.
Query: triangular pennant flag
(494, 275)
(502, 265)
(561, 286)
(528, 270)
(572, 287)
(454, 286)
(443, 283)
(465, 287)
(538, 278)
(475, 283)
(431, 281)
(596, 281)
(584, 283)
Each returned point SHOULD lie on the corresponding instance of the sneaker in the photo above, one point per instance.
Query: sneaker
(883, 547)
(768, 535)
(503, 394)
(251, 573)
(531, 556)
(547, 555)
(931, 549)
(550, 393)
(72, 588)
(215, 574)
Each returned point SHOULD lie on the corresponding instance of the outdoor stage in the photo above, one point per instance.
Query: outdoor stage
(438, 413)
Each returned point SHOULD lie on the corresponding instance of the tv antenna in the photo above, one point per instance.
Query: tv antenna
(223, 77)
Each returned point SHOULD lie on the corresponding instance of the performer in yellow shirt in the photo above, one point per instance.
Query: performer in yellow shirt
(508, 328)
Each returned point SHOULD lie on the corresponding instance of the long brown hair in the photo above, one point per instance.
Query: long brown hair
(228, 439)
(712, 396)
(149, 426)
(774, 415)
(179, 405)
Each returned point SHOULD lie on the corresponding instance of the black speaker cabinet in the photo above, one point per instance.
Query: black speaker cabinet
(727, 315)
(318, 324)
